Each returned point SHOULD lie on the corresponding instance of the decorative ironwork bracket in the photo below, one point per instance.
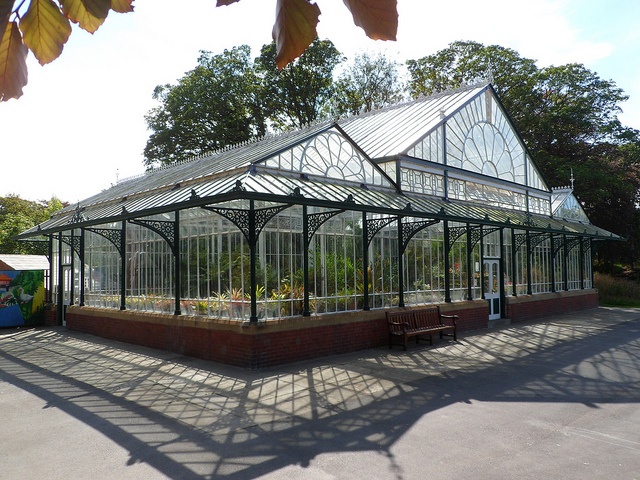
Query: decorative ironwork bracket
(409, 230)
(315, 220)
(240, 218)
(520, 239)
(39, 247)
(536, 239)
(165, 228)
(454, 234)
(558, 242)
(73, 241)
(114, 235)
(374, 226)
(478, 233)
(573, 243)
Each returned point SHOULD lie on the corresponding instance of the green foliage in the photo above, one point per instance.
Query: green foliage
(214, 105)
(228, 99)
(18, 215)
(299, 94)
(370, 82)
(616, 291)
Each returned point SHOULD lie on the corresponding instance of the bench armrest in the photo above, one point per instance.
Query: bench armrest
(453, 318)
(404, 325)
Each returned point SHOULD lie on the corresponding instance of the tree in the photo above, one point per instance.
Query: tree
(43, 26)
(218, 103)
(568, 118)
(18, 215)
(228, 99)
(300, 93)
(464, 63)
(370, 82)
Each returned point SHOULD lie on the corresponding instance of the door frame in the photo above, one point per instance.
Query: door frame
(491, 266)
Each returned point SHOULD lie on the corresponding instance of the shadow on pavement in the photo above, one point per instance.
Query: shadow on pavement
(192, 419)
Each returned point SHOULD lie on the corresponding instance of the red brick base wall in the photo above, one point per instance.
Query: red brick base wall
(50, 315)
(529, 307)
(236, 343)
(278, 342)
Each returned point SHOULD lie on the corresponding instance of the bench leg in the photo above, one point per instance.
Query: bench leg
(406, 341)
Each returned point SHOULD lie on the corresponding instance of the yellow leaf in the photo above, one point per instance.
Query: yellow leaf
(89, 14)
(122, 6)
(45, 30)
(13, 63)
(295, 29)
(378, 18)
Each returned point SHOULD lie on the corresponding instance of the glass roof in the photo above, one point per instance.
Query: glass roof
(565, 205)
(327, 165)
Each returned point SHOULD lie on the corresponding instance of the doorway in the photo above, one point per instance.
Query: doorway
(67, 291)
(491, 273)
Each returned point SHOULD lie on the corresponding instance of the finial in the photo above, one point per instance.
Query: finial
(572, 179)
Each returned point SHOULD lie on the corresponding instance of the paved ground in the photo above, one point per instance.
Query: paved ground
(554, 399)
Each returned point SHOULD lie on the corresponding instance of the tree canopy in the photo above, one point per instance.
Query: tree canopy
(18, 215)
(368, 83)
(229, 98)
(298, 94)
(214, 105)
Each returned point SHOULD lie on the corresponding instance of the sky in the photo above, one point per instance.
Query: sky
(79, 127)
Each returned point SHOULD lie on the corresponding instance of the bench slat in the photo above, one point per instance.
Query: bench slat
(416, 323)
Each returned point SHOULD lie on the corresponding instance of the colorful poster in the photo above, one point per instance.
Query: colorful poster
(21, 298)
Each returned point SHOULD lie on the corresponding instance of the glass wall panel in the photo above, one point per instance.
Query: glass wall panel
(102, 261)
(573, 268)
(422, 182)
(424, 267)
(329, 155)
(541, 267)
(336, 271)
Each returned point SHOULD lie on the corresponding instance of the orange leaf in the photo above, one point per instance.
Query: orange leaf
(122, 6)
(13, 63)
(295, 29)
(45, 30)
(89, 14)
(378, 18)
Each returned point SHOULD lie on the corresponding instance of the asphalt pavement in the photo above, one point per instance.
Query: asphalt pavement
(552, 399)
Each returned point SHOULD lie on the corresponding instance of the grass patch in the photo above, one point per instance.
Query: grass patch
(617, 292)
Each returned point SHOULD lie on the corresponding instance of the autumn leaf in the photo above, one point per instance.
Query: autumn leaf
(5, 13)
(295, 29)
(89, 14)
(45, 30)
(13, 63)
(122, 6)
(378, 18)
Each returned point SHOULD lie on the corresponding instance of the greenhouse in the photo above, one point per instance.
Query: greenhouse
(434, 201)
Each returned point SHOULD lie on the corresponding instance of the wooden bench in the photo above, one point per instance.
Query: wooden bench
(418, 323)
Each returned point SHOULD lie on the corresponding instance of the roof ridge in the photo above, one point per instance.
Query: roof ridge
(419, 99)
